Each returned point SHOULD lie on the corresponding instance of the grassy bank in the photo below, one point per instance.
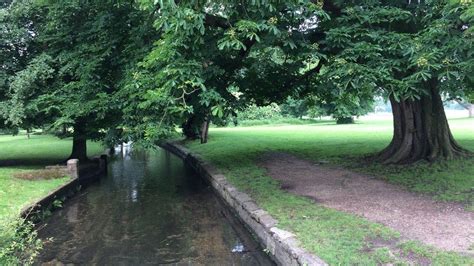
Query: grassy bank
(19, 153)
(340, 238)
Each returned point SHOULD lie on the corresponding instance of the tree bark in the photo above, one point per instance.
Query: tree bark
(471, 110)
(421, 132)
(191, 128)
(79, 142)
(205, 130)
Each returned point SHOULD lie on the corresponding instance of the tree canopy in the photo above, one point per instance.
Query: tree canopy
(147, 67)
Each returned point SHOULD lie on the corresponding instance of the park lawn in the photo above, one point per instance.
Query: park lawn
(337, 237)
(16, 193)
(22, 154)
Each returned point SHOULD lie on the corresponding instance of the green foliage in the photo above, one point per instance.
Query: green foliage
(23, 108)
(15, 40)
(254, 112)
(19, 242)
(391, 49)
(295, 107)
(215, 58)
(470, 98)
(76, 57)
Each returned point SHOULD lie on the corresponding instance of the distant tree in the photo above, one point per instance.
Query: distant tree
(16, 50)
(294, 107)
(24, 108)
(254, 112)
(343, 107)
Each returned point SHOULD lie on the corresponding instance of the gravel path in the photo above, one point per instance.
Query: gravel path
(444, 225)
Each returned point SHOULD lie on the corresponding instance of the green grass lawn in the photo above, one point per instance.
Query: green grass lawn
(337, 237)
(20, 154)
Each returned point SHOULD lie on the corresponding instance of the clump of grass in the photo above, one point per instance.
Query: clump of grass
(41, 174)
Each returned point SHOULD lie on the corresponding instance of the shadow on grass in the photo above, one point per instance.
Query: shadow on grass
(27, 163)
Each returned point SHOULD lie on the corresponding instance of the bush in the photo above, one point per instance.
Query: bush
(19, 242)
(255, 112)
(9, 131)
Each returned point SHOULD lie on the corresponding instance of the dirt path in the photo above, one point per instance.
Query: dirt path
(444, 225)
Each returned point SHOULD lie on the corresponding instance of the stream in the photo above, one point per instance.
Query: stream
(149, 210)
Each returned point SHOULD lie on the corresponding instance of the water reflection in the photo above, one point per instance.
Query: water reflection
(149, 210)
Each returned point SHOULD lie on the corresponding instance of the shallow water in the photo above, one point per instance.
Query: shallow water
(150, 209)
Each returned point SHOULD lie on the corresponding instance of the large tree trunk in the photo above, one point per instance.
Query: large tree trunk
(79, 142)
(471, 110)
(205, 130)
(196, 127)
(191, 128)
(421, 132)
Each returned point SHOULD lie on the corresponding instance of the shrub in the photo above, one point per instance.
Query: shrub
(254, 112)
(19, 242)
